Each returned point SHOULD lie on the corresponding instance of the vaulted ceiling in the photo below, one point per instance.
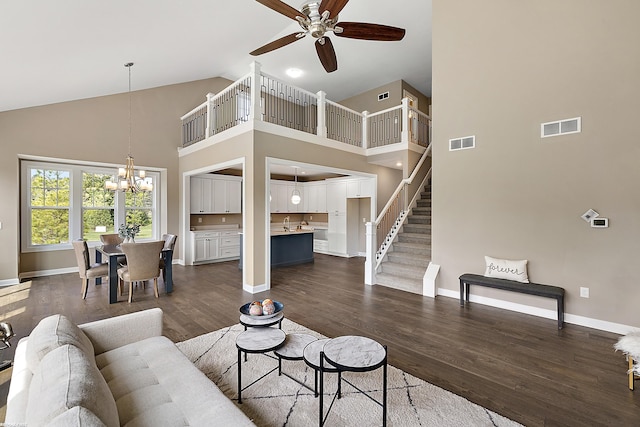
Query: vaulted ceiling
(55, 51)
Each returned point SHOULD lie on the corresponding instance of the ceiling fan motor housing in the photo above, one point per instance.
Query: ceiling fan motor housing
(317, 25)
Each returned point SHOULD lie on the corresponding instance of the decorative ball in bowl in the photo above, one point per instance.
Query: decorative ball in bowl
(262, 309)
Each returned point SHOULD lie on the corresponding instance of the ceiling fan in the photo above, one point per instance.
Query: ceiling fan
(320, 17)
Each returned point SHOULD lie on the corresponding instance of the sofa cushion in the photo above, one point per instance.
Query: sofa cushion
(53, 332)
(153, 383)
(76, 417)
(66, 377)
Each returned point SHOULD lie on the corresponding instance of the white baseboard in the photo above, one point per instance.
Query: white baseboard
(43, 273)
(255, 289)
(602, 325)
(9, 282)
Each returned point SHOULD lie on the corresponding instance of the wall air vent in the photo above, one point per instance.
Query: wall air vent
(383, 96)
(561, 127)
(462, 143)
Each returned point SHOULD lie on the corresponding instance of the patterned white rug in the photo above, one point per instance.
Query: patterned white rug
(280, 401)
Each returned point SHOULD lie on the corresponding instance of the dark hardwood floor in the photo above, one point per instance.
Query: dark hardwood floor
(517, 365)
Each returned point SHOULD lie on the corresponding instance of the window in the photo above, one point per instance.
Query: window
(98, 206)
(63, 202)
(49, 206)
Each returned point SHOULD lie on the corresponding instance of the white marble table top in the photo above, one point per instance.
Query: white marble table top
(294, 345)
(260, 340)
(252, 321)
(311, 355)
(354, 352)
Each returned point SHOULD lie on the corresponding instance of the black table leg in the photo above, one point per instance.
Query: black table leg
(113, 279)
(239, 376)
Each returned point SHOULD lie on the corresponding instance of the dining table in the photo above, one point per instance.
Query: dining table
(113, 252)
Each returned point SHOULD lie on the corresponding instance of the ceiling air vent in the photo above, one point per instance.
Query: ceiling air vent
(561, 127)
(383, 96)
(462, 143)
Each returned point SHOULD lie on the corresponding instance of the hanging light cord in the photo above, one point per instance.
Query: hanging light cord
(129, 65)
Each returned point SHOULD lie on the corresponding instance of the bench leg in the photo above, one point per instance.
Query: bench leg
(461, 293)
(560, 312)
(631, 374)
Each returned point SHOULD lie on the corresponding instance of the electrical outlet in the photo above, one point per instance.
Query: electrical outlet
(199, 219)
(364, 220)
(310, 217)
(584, 292)
(224, 219)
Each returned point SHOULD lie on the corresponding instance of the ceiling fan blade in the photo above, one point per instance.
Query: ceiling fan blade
(282, 8)
(327, 55)
(365, 31)
(283, 41)
(333, 6)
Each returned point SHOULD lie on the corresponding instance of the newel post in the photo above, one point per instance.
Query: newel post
(365, 131)
(254, 113)
(405, 121)
(370, 262)
(322, 114)
(208, 130)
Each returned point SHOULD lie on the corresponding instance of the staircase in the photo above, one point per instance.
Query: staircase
(408, 257)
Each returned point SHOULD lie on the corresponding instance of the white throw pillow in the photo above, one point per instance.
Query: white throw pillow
(66, 377)
(53, 332)
(506, 269)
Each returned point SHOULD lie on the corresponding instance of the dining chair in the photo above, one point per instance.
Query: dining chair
(85, 268)
(142, 264)
(169, 243)
(110, 239)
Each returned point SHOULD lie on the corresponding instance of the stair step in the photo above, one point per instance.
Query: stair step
(425, 194)
(422, 203)
(418, 260)
(423, 239)
(421, 210)
(417, 228)
(419, 219)
(407, 285)
(415, 248)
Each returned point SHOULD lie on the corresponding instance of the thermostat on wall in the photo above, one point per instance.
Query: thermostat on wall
(599, 222)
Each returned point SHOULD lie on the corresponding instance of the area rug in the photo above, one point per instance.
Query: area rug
(280, 401)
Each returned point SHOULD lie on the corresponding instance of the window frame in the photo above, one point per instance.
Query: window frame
(76, 207)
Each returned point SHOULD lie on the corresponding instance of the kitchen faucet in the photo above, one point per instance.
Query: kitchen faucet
(286, 223)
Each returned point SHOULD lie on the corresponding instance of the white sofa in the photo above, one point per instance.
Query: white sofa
(112, 372)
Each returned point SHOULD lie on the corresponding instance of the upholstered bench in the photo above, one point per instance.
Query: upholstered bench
(556, 292)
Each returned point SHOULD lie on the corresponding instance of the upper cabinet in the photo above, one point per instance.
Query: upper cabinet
(361, 187)
(315, 197)
(216, 194)
(336, 196)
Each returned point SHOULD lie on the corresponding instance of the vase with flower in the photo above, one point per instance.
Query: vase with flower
(128, 232)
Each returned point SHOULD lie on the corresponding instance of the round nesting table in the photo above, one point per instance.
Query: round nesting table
(311, 356)
(257, 340)
(293, 349)
(253, 322)
(354, 354)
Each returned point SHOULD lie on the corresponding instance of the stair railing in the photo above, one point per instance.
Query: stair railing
(381, 233)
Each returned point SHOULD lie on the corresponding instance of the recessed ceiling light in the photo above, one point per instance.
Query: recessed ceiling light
(294, 72)
(398, 164)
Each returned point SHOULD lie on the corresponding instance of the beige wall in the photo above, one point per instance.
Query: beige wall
(91, 130)
(368, 101)
(500, 68)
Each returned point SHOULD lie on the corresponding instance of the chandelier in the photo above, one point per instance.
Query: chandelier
(127, 179)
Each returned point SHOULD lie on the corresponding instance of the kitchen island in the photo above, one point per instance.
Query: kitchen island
(288, 248)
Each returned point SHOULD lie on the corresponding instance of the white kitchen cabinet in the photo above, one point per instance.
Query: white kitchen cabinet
(315, 199)
(205, 246)
(336, 196)
(208, 246)
(361, 187)
(337, 233)
(216, 194)
(279, 203)
(201, 194)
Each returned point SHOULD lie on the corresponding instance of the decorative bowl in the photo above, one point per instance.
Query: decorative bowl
(245, 310)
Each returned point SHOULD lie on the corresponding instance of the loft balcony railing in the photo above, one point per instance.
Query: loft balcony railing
(258, 96)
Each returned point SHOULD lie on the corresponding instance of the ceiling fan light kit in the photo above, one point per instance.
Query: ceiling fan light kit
(319, 18)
